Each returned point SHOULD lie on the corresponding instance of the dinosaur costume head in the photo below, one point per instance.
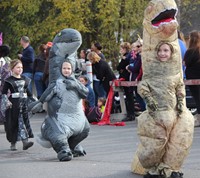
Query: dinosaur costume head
(160, 24)
(160, 18)
(67, 42)
(65, 46)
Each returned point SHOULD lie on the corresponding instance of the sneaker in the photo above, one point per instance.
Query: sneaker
(176, 175)
(27, 145)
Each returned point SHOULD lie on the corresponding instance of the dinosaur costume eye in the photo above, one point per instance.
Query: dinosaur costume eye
(59, 34)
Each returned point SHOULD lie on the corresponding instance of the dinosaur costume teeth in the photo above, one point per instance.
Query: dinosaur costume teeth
(167, 16)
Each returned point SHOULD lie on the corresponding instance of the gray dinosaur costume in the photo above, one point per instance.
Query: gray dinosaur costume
(65, 126)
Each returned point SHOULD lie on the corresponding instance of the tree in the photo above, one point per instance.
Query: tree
(106, 21)
(122, 18)
(40, 19)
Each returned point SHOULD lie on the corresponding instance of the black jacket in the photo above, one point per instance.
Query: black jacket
(192, 62)
(121, 68)
(103, 73)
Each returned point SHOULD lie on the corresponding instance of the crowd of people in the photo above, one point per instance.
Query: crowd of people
(36, 69)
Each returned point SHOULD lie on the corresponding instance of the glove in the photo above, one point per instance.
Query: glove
(179, 105)
(151, 103)
(69, 84)
(35, 106)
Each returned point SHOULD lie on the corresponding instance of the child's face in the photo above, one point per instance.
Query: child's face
(83, 81)
(164, 53)
(82, 54)
(66, 69)
(99, 103)
(18, 69)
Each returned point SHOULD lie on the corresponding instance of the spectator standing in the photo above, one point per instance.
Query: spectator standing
(102, 70)
(192, 63)
(27, 57)
(97, 86)
(125, 49)
(38, 70)
(135, 69)
(4, 73)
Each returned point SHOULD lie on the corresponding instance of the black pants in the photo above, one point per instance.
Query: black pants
(195, 91)
(129, 101)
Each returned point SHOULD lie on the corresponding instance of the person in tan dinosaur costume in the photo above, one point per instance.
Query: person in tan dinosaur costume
(166, 128)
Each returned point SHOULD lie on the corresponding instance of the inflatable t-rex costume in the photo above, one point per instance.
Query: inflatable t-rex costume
(166, 127)
(65, 125)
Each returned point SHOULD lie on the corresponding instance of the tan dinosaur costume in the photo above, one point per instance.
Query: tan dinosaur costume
(166, 128)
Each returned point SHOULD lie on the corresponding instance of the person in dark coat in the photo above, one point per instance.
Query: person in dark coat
(123, 73)
(135, 69)
(102, 70)
(27, 57)
(192, 63)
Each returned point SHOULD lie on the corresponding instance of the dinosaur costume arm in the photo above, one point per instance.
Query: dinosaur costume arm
(145, 93)
(180, 95)
(73, 84)
(46, 96)
(48, 93)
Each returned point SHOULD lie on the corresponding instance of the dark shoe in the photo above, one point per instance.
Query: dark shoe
(153, 176)
(26, 144)
(176, 175)
(31, 136)
(78, 153)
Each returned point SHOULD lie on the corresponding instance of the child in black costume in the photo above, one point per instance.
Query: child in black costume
(17, 123)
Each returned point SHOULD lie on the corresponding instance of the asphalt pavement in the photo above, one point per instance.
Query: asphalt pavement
(110, 151)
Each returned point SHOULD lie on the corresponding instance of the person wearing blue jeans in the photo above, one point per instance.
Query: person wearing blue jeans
(98, 90)
(38, 70)
(39, 84)
(30, 76)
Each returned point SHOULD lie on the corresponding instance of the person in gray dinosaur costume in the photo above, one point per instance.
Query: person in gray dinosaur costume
(65, 125)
